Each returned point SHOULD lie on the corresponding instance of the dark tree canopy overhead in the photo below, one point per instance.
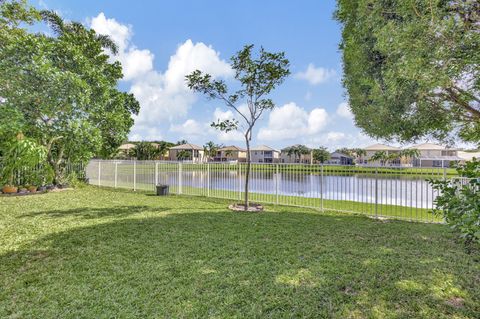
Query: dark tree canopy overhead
(412, 67)
(60, 90)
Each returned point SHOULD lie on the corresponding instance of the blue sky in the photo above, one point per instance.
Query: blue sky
(161, 41)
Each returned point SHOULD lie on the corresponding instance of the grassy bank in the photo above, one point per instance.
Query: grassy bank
(420, 172)
(95, 252)
(369, 208)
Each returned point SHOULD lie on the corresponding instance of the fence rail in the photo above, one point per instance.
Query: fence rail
(24, 176)
(402, 193)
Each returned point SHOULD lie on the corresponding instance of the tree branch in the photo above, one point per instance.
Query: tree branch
(455, 98)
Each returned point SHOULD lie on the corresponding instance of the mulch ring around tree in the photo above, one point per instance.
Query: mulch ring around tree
(252, 207)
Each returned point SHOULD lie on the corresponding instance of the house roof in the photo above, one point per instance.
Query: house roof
(232, 148)
(430, 146)
(187, 147)
(263, 148)
(440, 158)
(381, 147)
(338, 154)
(468, 156)
(126, 146)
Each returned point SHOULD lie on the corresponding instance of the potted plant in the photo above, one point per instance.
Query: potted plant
(31, 188)
(18, 154)
(40, 177)
(22, 190)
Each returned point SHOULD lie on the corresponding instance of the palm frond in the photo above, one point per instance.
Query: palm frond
(55, 22)
(108, 43)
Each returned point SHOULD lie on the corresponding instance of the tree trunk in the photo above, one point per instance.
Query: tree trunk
(247, 172)
(56, 167)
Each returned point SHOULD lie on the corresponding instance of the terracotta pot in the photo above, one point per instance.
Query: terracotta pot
(32, 189)
(8, 189)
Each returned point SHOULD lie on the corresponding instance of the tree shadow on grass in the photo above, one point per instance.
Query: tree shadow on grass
(93, 212)
(223, 264)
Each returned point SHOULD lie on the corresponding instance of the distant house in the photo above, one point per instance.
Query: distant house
(338, 158)
(124, 150)
(231, 153)
(187, 152)
(372, 149)
(264, 154)
(293, 158)
(468, 156)
(434, 155)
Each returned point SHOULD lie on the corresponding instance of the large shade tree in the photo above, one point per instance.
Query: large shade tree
(62, 89)
(321, 154)
(257, 76)
(412, 67)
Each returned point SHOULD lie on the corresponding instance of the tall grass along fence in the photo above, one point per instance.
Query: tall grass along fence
(401, 193)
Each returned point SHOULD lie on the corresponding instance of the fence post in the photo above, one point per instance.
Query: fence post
(376, 192)
(179, 178)
(134, 175)
(277, 184)
(116, 174)
(156, 173)
(321, 187)
(99, 173)
(208, 180)
(239, 181)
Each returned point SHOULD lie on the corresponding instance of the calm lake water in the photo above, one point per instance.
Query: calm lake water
(392, 190)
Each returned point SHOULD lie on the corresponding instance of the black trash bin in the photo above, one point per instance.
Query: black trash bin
(162, 190)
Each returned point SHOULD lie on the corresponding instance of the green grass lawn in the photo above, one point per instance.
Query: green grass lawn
(99, 253)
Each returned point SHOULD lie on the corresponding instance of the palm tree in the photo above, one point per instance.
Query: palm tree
(380, 156)
(184, 155)
(297, 151)
(61, 28)
(145, 151)
(181, 142)
(228, 153)
(210, 149)
(411, 154)
(163, 148)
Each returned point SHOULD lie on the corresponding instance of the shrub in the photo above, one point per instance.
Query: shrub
(459, 201)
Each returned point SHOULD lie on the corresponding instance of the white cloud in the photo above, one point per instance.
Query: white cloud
(135, 62)
(163, 96)
(343, 110)
(146, 134)
(291, 121)
(189, 128)
(315, 75)
(194, 130)
(232, 136)
(334, 140)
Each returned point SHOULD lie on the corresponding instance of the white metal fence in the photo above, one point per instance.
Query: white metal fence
(27, 175)
(402, 193)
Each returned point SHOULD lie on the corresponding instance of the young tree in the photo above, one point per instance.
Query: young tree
(321, 154)
(258, 76)
(411, 68)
